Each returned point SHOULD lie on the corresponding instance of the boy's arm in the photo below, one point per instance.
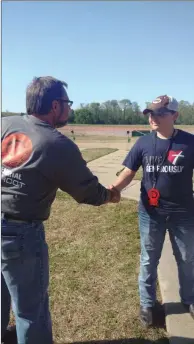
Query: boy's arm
(123, 180)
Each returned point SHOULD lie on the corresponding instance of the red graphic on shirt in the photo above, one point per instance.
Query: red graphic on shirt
(173, 156)
(16, 149)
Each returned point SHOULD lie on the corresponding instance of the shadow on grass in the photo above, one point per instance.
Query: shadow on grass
(170, 308)
(159, 316)
(124, 341)
(174, 340)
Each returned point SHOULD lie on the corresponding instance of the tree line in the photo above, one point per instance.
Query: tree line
(119, 112)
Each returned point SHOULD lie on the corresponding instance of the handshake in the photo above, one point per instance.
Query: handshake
(115, 195)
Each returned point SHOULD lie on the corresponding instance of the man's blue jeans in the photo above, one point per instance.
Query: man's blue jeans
(25, 277)
(152, 232)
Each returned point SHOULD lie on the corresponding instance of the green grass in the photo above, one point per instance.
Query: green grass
(95, 153)
(94, 263)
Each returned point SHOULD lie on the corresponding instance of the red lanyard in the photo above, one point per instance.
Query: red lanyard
(153, 193)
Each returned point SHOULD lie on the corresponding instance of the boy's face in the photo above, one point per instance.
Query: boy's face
(162, 121)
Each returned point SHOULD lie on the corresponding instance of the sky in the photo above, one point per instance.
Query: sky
(103, 49)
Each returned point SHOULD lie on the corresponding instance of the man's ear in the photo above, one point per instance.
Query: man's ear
(55, 105)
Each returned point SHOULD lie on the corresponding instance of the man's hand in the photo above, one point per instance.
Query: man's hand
(115, 194)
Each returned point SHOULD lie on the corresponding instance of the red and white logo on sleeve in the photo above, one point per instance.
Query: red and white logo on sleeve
(16, 150)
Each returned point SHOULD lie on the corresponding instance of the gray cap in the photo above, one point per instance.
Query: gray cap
(161, 105)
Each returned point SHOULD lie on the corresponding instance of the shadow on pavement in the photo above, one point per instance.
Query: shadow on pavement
(182, 340)
(175, 308)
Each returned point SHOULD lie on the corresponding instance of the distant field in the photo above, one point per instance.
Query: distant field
(111, 130)
(107, 136)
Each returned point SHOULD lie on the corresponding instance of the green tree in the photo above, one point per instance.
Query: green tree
(115, 112)
(71, 116)
(83, 116)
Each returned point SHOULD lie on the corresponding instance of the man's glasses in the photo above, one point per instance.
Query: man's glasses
(69, 102)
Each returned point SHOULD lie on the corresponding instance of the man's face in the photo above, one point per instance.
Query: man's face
(61, 110)
(162, 122)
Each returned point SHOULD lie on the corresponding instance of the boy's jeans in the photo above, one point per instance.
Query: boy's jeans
(152, 233)
(25, 277)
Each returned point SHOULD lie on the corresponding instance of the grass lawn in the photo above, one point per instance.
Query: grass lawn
(95, 153)
(94, 260)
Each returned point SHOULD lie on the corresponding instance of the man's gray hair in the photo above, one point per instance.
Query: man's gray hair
(41, 93)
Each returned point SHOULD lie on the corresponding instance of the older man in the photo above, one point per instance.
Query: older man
(167, 158)
(37, 160)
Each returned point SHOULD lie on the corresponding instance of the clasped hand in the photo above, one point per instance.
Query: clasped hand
(115, 194)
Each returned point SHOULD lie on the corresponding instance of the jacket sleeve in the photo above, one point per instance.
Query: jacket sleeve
(74, 177)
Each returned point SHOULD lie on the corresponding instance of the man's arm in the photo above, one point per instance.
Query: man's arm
(74, 177)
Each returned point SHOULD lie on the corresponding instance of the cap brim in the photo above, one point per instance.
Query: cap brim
(146, 111)
(158, 112)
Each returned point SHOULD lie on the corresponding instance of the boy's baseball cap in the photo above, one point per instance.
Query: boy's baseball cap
(161, 105)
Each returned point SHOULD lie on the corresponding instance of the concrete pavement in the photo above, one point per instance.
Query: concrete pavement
(106, 167)
(178, 321)
(180, 325)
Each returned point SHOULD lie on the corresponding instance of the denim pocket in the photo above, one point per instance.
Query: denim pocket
(10, 247)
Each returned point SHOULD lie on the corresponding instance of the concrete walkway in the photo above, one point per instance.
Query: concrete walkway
(180, 325)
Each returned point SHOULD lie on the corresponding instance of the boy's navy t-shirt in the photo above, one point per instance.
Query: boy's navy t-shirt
(174, 180)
